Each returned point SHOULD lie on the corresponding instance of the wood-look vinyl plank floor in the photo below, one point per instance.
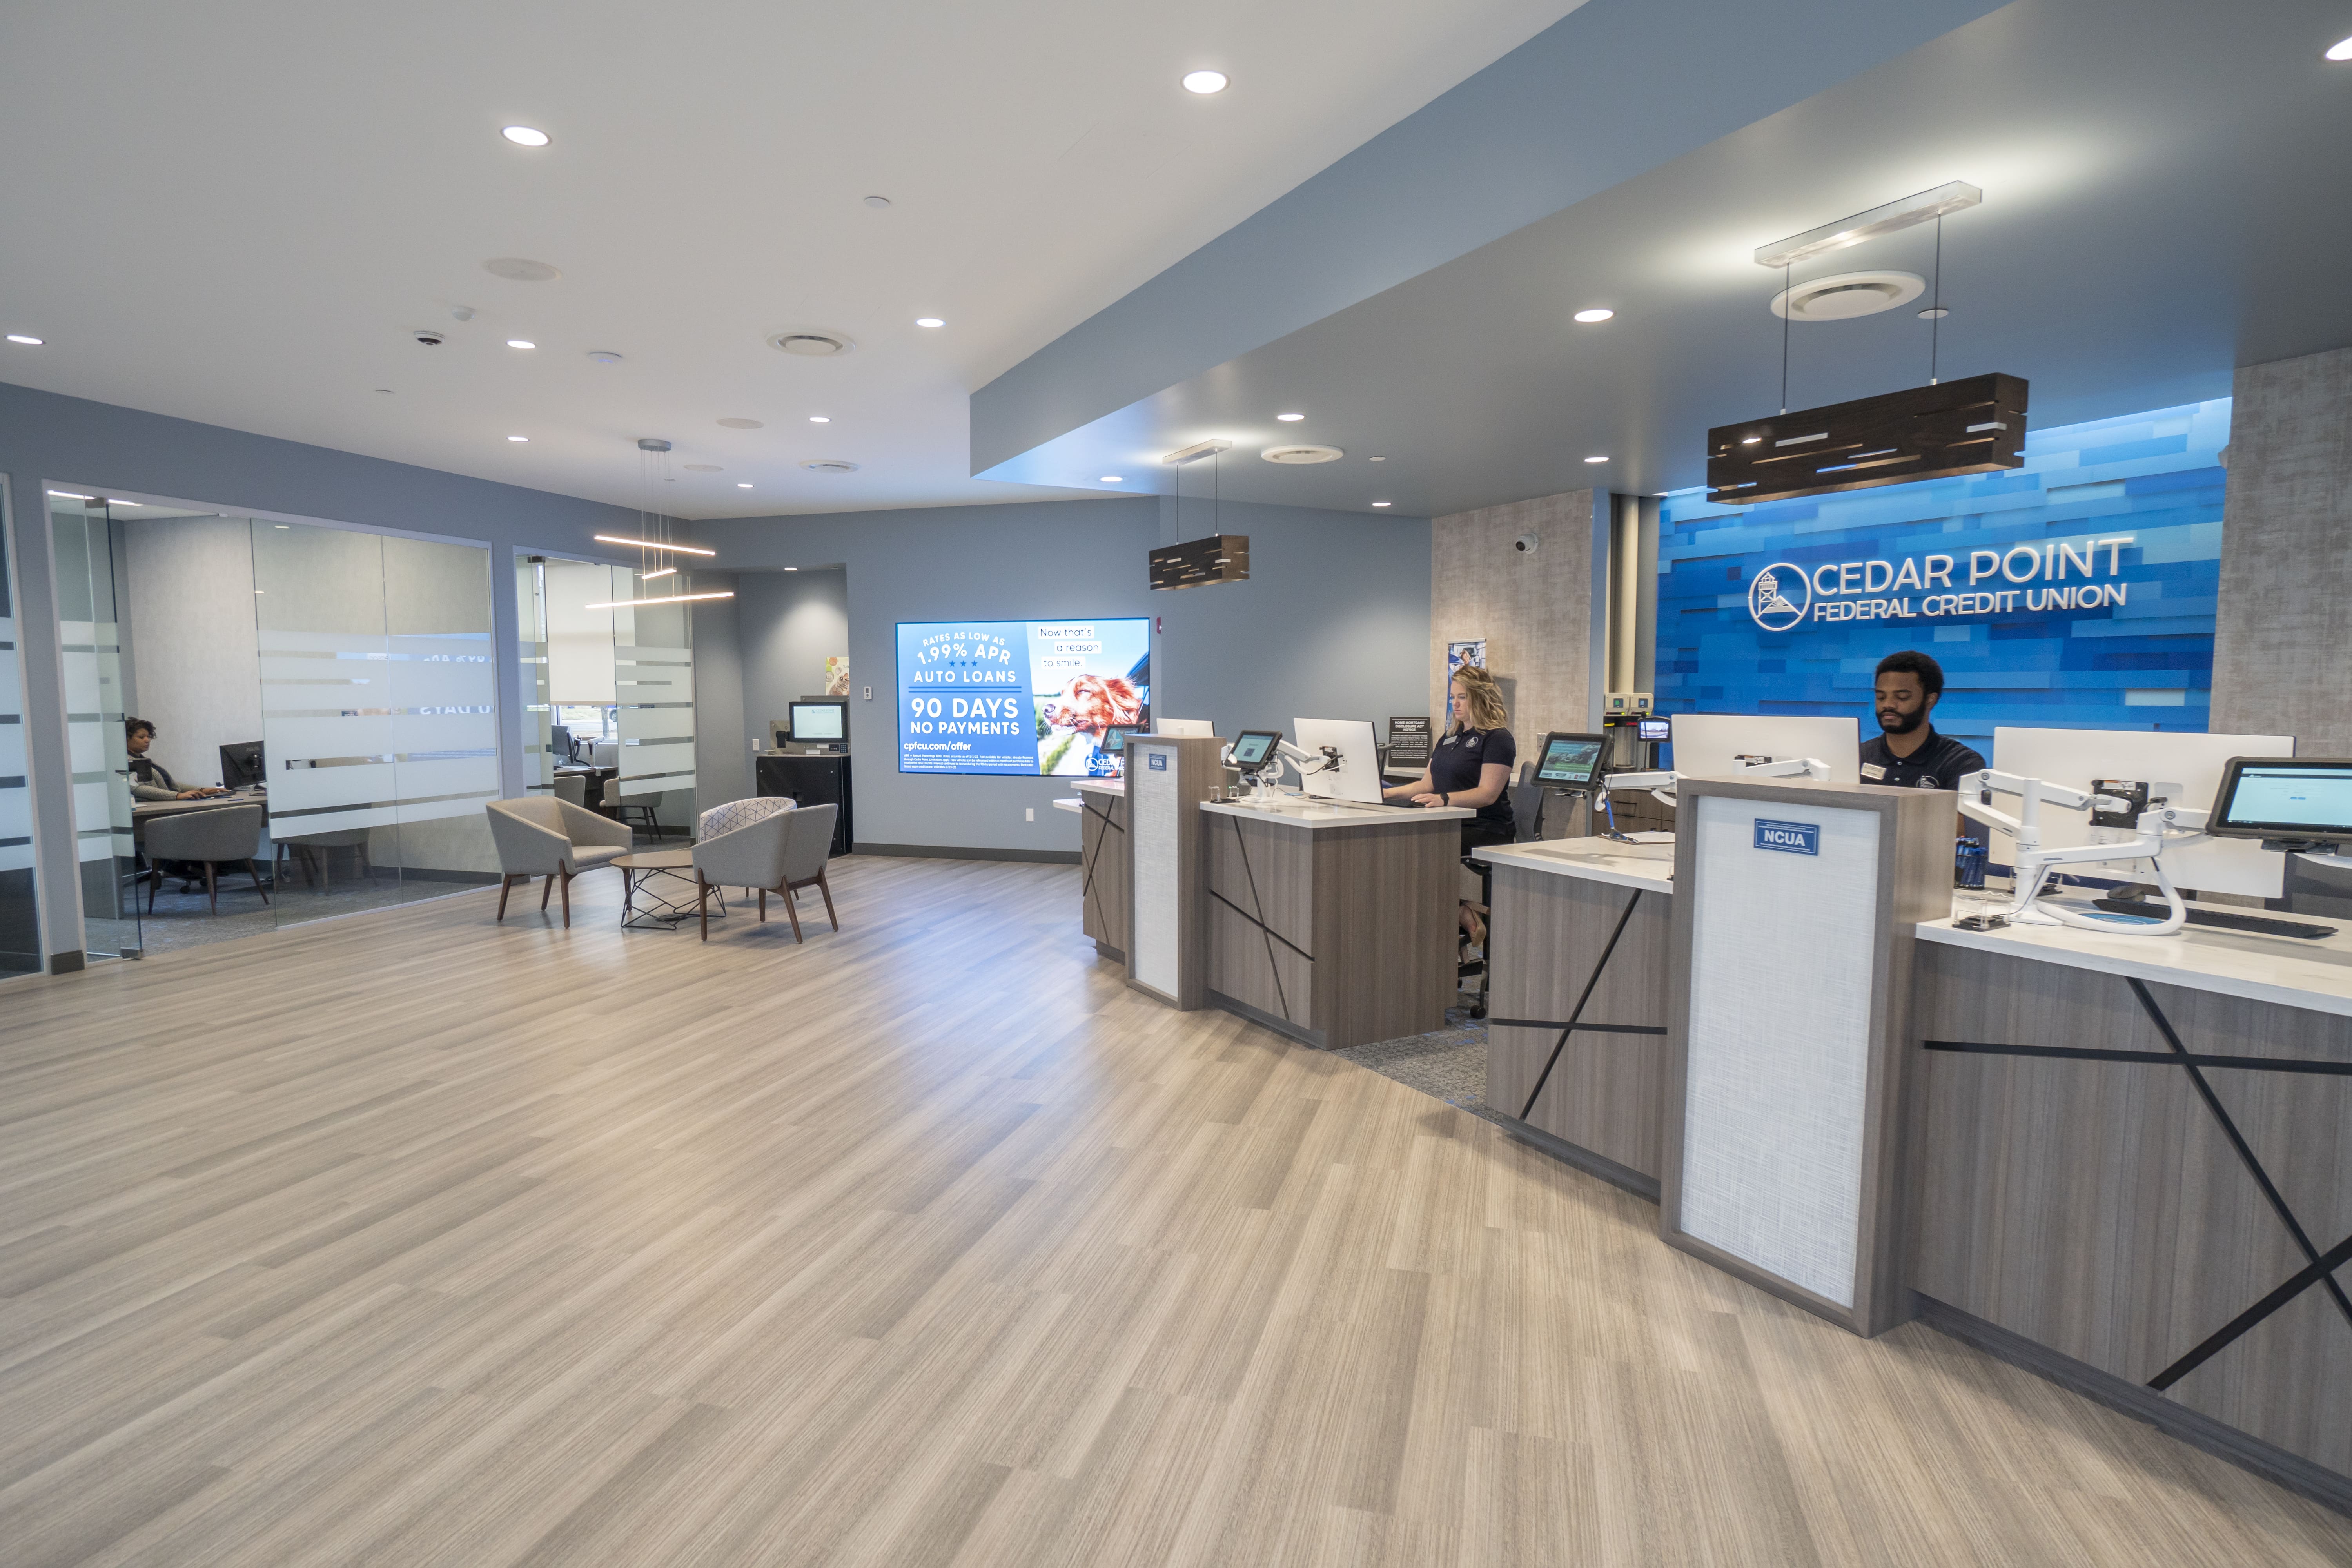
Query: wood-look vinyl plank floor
(416, 1239)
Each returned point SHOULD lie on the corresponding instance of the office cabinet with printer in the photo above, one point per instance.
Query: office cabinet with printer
(811, 778)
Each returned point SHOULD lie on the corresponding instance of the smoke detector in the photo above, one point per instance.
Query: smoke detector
(1296, 454)
(813, 342)
(1845, 295)
(830, 466)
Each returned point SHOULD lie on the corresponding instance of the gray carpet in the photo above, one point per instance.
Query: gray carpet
(1449, 1064)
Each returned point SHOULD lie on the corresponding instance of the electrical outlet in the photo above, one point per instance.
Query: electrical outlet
(869, 694)
(1031, 814)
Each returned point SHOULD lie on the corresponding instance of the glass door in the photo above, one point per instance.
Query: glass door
(653, 683)
(539, 740)
(20, 926)
(90, 628)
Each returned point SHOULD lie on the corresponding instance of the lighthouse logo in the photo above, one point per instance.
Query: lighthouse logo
(1769, 601)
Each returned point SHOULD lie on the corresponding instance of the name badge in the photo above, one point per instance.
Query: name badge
(1158, 761)
(1872, 771)
(1789, 838)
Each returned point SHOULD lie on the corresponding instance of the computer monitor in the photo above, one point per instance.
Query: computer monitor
(1114, 739)
(1569, 760)
(1195, 728)
(241, 765)
(820, 720)
(1252, 748)
(1358, 776)
(1658, 730)
(1719, 745)
(2307, 798)
(559, 743)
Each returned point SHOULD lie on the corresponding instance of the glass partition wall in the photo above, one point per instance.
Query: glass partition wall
(339, 684)
(619, 681)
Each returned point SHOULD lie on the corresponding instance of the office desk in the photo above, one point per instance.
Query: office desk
(1102, 852)
(1332, 924)
(2126, 1150)
(1576, 1024)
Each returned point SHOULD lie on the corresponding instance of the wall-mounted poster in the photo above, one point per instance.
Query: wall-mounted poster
(1020, 697)
(1458, 654)
(836, 675)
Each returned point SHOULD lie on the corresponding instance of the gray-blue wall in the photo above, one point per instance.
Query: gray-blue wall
(1333, 622)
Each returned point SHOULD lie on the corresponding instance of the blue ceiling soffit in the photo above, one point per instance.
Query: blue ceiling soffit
(1615, 89)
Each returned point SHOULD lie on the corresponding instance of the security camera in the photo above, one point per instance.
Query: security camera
(1525, 543)
(428, 336)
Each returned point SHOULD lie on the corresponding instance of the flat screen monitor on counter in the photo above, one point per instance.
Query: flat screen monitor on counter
(1358, 776)
(1253, 747)
(1569, 761)
(1719, 745)
(823, 723)
(1022, 696)
(2283, 798)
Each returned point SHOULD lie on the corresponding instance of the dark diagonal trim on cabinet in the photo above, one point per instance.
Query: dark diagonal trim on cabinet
(1581, 1028)
(1241, 845)
(1086, 888)
(2319, 1268)
(1575, 1018)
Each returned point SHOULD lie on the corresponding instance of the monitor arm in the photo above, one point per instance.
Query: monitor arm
(1661, 783)
(2035, 864)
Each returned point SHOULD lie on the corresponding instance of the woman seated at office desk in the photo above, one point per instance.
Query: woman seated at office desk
(148, 781)
(1471, 767)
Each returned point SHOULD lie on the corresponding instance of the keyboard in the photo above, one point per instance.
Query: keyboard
(2260, 925)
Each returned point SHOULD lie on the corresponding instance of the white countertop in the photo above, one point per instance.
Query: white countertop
(1303, 813)
(1071, 803)
(1101, 786)
(1650, 867)
(2289, 971)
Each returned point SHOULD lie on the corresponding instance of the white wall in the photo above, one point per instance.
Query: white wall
(197, 664)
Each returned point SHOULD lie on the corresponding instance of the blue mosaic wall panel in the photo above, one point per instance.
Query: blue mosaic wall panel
(2078, 592)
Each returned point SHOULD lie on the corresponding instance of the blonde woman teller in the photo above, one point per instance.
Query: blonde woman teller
(1471, 767)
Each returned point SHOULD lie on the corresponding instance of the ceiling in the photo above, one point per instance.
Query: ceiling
(239, 212)
(2156, 210)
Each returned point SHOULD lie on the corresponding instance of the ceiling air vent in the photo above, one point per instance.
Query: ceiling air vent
(813, 342)
(830, 466)
(1846, 295)
(1296, 454)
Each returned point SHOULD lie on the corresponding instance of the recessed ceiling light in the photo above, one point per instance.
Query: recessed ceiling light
(1934, 313)
(703, 468)
(929, 322)
(524, 136)
(26, 338)
(1114, 479)
(742, 424)
(518, 437)
(1376, 459)
(741, 486)
(1380, 504)
(877, 202)
(820, 419)
(2342, 51)
(1290, 418)
(1595, 314)
(1204, 82)
(792, 568)
(603, 356)
(1596, 459)
(521, 343)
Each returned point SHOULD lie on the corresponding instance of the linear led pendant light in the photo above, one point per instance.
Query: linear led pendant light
(1202, 562)
(655, 525)
(1875, 223)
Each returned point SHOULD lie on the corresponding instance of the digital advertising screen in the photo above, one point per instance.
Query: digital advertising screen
(1020, 697)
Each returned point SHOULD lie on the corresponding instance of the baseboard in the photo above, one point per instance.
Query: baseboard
(1265, 1019)
(958, 852)
(2273, 1464)
(1585, 1160)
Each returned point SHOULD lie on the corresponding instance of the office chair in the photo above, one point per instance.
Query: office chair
(618, 808)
